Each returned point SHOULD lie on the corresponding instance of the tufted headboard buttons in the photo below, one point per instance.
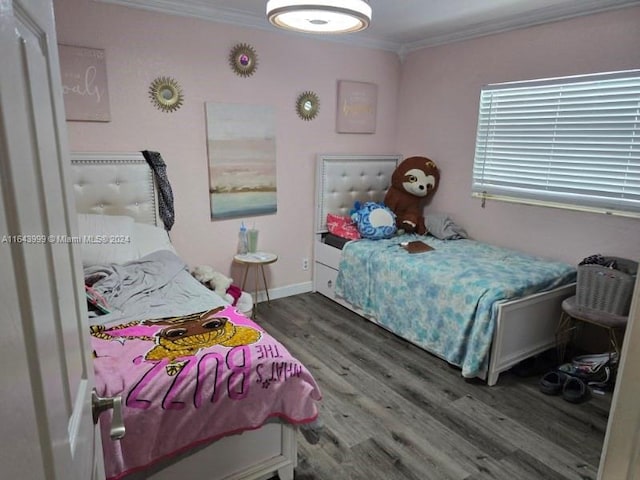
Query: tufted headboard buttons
(341, 180)
(115, 184)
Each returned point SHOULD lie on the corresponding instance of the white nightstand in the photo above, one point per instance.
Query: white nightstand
(257, 260)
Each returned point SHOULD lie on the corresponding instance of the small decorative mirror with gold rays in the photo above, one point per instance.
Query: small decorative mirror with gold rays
(166, 94)
(307, 105)
(243, 59)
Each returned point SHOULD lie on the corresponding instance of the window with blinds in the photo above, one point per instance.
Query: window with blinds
(570, 142)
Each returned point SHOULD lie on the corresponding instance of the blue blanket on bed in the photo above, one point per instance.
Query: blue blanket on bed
(444, 300)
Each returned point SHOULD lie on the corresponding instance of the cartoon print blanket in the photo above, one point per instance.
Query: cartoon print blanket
(191, 379)
(185, 378)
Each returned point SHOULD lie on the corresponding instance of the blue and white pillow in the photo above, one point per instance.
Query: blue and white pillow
(374, 220)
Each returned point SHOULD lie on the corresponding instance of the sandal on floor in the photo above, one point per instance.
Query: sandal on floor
(552, 382)
(575, 390)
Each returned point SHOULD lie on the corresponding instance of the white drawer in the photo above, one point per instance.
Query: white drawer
(325, 280)
(327, 255)
(325, 283)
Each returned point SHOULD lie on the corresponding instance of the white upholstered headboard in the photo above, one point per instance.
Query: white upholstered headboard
(115, 184)
(343, 179)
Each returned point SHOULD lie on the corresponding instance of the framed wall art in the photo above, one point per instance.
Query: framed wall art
(241, 143)
(356, 112)
(84, 83)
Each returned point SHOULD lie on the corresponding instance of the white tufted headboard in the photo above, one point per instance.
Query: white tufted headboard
(343, 179)
(115, 184)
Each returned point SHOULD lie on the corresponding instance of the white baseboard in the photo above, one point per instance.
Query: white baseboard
(286, 291)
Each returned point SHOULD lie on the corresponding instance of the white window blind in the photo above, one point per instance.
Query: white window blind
(571, 142)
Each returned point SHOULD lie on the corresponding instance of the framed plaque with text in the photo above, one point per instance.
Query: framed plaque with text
(84, 83)
(356, 112)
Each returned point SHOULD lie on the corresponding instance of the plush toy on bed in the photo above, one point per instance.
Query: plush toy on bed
(223, 286)
(374, 220)
(414, 180)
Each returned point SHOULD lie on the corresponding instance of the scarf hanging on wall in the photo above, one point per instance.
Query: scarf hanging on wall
(165, 194)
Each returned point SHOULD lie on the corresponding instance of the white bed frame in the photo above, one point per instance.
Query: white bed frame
(123, 184)
(525, 327)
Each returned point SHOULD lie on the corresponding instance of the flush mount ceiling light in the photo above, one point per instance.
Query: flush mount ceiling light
(326, 16)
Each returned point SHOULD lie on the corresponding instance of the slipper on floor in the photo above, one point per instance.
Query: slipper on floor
(575, 390)
(552, 382)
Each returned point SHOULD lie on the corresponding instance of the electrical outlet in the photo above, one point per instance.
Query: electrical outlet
(305, 264)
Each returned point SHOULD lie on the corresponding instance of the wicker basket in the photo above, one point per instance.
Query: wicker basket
(607, 289)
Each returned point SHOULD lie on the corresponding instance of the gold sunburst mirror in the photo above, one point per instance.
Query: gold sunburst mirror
(307, 105)
(166, 94)
(243, 59)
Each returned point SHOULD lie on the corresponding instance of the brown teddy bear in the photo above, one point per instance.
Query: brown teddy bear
(415, 179)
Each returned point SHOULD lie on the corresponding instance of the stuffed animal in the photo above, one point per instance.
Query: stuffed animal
(216, 281)
(374, 220)
(413, 181)
(223, 286)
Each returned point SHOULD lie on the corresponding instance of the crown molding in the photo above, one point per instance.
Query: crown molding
(204, 11)
(514, 22)
(194, 8)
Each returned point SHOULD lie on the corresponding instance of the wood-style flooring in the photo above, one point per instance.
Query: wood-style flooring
(393, 411)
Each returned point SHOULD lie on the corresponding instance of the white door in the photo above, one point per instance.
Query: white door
(45, 357)
(620, 458)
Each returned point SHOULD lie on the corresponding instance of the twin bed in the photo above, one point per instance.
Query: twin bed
(478, 306)
(206, 393)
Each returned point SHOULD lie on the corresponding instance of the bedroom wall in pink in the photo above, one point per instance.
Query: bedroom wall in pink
(437, 117)
(141, 45)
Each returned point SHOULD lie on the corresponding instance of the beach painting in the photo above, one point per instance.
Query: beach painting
(241, 144)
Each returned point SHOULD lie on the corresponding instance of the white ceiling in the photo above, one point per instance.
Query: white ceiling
(402, 25)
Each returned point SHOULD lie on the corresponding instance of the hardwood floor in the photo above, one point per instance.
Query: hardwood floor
(393, 411)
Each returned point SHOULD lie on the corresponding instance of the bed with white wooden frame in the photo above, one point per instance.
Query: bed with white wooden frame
(524, 327)
(123, 184)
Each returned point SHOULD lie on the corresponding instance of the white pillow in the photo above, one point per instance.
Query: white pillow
(149, 238)
(106, 239)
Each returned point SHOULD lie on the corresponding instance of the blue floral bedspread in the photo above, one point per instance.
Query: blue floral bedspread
(444, 300)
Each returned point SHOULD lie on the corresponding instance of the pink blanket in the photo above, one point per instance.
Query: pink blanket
(192, 379)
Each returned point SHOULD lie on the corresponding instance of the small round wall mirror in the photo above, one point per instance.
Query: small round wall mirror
(307, 105)
(166, 94)
(243, 60)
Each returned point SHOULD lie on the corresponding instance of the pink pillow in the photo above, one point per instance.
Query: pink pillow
(342, 226)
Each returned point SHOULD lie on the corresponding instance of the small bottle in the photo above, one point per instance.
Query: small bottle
(243, 242)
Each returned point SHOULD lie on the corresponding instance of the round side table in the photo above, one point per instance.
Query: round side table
(257, 260)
